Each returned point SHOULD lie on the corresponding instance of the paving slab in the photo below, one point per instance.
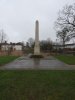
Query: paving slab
(47, 63)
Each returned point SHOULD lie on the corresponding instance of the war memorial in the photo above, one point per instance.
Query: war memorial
(37, 60)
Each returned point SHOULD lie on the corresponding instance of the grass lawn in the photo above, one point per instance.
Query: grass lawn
(68, 59)
(37, 85)
(6, 59)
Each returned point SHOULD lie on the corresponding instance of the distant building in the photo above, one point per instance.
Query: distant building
(71, 46)
(12, 48)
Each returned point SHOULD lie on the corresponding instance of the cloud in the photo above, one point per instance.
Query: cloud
(18, 17)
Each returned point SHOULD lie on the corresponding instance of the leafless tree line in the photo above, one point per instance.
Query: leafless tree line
(3, 37)
(65, 23)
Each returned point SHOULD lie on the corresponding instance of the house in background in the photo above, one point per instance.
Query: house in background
(67, 46)
(70, 46)
(12, 49)
(68, 49)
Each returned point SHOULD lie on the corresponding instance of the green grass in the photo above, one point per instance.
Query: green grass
(37, 85)
(6, 59)
(68, 59)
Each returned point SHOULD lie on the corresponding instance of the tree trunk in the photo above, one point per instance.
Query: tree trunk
(63, 46)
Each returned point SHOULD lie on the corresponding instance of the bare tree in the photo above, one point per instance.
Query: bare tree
(46, 45)
(31, 42)
(63, 36)
(3, 37)
(66, 19)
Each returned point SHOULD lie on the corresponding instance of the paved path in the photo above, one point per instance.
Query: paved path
(45, 63)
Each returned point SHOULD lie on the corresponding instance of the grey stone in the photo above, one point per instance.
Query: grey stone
(37, 46)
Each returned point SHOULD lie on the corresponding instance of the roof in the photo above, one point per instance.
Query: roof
(5, 43)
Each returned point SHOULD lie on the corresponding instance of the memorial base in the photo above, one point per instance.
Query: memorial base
(36, 56)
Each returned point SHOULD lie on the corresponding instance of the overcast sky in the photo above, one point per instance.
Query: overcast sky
(17, 18)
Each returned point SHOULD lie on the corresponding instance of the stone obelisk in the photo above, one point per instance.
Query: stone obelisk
(37, 45)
